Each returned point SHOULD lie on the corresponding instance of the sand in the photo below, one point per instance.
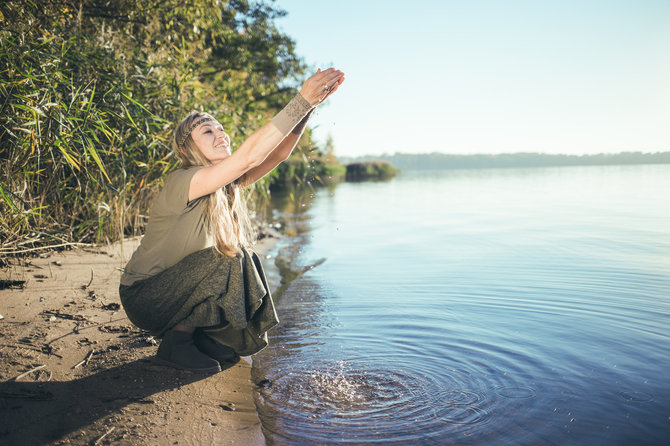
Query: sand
(94, 380)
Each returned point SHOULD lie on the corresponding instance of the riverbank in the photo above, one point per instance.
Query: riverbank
(74, 370)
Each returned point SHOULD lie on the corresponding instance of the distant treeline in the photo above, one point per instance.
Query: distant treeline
(435, 160)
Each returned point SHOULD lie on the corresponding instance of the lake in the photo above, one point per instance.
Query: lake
(493, 306)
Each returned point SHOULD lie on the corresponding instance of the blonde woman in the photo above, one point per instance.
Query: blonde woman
(194, 279)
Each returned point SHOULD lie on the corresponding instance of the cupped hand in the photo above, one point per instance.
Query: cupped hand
(321, 85)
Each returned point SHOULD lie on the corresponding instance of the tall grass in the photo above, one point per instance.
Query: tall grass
(89, 96)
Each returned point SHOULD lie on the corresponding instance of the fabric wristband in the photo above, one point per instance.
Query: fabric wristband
(297, 130)
(292, 114)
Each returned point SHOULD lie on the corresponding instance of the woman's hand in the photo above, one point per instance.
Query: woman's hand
(321, 85)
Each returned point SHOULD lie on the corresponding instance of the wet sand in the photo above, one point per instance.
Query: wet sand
(93, 379)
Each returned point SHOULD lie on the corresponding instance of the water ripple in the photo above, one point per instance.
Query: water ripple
(635, 396)
(405, 399)
(516, 392)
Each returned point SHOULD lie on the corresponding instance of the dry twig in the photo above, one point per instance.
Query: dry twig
(20, 251)
(111, 429)
(84, 361)
(46, 349)
(60, 315)
(90, 281)
(28, 372)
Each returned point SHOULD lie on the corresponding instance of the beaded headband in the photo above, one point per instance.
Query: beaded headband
(188, 132)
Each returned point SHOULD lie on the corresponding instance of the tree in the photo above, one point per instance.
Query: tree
(90, 91)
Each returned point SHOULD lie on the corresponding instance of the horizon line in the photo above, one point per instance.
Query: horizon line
(638, 152)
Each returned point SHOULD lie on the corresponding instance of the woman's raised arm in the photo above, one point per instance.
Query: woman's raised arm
(284, 148)
(256, 148)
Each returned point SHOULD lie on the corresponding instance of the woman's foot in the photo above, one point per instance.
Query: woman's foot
(178, 350)
(223, 354)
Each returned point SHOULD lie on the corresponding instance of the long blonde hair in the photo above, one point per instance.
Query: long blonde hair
(226, 213)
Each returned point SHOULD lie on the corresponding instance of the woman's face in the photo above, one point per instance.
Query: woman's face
(213, 142)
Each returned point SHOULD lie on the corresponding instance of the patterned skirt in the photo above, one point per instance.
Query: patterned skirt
(227, 298)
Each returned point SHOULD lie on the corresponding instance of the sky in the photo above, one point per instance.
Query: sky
(489, 76)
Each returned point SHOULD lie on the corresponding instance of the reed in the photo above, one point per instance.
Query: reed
(89, 95)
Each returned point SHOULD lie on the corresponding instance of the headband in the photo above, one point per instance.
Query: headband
(188, 132)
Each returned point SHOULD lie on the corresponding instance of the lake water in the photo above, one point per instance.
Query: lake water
(497, 307)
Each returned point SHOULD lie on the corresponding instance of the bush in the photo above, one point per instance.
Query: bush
(370, 170)
(90, 93)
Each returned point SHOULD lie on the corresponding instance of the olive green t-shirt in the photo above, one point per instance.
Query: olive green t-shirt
(176, 229)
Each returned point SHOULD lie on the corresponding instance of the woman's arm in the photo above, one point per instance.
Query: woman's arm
(257, 147)
(284, 149)
(279, 154)
(251, 153)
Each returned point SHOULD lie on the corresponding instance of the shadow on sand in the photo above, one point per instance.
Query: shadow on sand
(43, 412)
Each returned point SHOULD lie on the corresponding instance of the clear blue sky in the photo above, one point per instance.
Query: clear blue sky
(490, 76)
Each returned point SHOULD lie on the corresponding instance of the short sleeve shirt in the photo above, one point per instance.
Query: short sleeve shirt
(176, 229)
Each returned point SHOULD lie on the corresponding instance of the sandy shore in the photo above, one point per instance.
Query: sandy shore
(74, 370)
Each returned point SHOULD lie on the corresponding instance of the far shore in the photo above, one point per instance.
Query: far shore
(439, 160)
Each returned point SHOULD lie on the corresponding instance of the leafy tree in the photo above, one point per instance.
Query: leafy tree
(90, 91)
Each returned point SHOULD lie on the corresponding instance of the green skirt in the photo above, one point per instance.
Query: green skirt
(227, 298)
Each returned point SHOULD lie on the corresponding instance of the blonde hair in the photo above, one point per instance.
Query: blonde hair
(226, 213)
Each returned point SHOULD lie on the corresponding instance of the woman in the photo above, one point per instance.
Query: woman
(193, 280)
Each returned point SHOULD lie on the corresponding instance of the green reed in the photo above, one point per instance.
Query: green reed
(89, 96)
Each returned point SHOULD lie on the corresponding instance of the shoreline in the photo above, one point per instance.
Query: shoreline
(70, 358)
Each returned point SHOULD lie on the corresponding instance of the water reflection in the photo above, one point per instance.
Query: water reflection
(288, 209)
